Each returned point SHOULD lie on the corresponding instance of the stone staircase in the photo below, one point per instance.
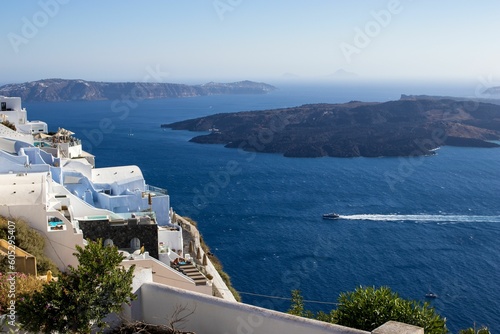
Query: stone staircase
(192, 272)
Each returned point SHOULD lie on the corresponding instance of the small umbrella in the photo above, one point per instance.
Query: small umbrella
(191, 247)
(42, 136)
(205, 260)
(198, 254)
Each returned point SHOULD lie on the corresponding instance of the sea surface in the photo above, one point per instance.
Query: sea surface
(417, 225)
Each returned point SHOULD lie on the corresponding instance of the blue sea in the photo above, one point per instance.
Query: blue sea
(417, 225)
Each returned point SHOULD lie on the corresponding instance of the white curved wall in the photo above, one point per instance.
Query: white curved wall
(217, 316)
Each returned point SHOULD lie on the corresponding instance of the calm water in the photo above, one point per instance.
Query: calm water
(416, 225)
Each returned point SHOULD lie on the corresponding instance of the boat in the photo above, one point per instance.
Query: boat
(430, 295)
(331, 215)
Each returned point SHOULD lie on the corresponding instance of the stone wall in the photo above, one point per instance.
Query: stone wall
(122, 234)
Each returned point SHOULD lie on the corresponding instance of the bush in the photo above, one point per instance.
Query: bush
(368, 308)
(81, 298)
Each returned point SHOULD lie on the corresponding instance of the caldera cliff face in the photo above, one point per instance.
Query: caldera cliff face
(394, 128)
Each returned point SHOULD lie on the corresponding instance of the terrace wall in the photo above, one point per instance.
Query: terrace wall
(122, 234)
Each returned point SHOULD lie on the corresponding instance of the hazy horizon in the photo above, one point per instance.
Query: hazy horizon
(231, 40)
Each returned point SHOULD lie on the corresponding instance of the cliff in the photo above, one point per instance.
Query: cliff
(394, 128)
(52, 90)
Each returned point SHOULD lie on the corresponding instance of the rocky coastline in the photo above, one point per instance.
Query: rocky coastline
(56, 90)
(406, 127)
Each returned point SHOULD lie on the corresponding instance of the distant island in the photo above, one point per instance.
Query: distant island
(53, 90)
(493, 91)
(484, 97)
(406, 127)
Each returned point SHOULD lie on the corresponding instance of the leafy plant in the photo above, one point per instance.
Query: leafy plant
(81, 298)
(368, 308)
(297, 308)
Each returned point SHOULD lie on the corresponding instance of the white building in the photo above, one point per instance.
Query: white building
(11, 110)
(51, 183)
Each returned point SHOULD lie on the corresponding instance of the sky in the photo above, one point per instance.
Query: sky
(197, 41)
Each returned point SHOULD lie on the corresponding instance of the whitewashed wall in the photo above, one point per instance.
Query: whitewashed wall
(59, 245)
(217, 316)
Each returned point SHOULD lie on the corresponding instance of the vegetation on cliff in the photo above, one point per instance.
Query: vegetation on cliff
(217, 263)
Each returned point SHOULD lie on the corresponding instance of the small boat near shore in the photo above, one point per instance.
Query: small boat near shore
(331, 215)
(430, 295)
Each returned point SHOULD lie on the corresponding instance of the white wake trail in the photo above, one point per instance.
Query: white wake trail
(425, 218)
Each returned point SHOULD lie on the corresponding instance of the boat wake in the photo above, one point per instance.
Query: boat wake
(426, 218)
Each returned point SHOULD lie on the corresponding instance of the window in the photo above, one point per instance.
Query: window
(135, 243)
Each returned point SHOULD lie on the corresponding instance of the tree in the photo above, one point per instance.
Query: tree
(82, 297)
(368, 308)
(297, 307)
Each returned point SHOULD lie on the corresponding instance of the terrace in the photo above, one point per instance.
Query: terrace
(55, 224)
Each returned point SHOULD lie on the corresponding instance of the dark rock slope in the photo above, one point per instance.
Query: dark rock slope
(69, 90)
(394, 128)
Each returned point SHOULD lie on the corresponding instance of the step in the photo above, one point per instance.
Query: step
(190, 271)
(200, 282)
(195, 277)
(187, 266)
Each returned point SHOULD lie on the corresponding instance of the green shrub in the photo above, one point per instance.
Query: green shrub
(81, 298)
(368, 308)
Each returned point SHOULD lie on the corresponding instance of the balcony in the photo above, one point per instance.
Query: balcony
(156, 190)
